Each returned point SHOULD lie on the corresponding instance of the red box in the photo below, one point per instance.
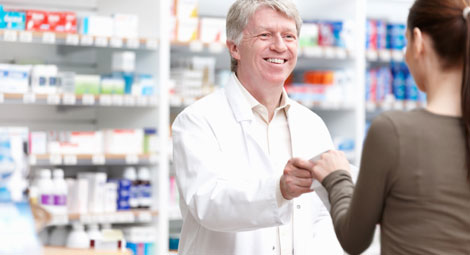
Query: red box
(62, 22)
(36, 20)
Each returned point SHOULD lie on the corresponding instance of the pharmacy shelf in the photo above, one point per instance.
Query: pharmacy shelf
(385, 55)
(77, 40)
(88, 160)
(174, 213)
(79, 100)
(68, 251)
(404, 105)
(318, 52)
(119, 217)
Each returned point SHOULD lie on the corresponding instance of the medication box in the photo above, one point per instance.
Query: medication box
(13, 20)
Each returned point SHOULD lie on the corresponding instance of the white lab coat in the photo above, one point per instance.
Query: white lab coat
(227, 184)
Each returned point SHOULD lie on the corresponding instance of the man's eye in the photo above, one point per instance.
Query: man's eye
(291, 37)
(264, 35)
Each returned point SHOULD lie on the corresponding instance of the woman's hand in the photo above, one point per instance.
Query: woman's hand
(329, 162)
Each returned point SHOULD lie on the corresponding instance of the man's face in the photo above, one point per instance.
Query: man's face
(268, 50)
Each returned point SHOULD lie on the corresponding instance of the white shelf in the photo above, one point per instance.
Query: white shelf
(119, 217)
(77, 40)
(69, 251)
(79, 100)
(90, 160)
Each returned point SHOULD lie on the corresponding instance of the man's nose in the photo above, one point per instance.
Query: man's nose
(278, 43)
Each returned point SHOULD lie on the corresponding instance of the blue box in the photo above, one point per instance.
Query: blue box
(13, 20)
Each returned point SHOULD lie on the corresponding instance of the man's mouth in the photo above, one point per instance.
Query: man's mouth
(276, 60)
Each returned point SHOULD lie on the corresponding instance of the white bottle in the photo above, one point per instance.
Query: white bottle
(145, 188)
(131, 175)
(78, 238)
(60, 192)
(94, 234)
(45, 190)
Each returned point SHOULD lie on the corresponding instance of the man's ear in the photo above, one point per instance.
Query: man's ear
(233, 49)
(418, 42)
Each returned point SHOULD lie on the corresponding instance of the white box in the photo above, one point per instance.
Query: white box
(212, 30)
(123, 61)
(124, 141)
(126, 25)
(187, 29)
(186, 8)
(96, 190)
(14, 78)
(38, 143)
(97, 26)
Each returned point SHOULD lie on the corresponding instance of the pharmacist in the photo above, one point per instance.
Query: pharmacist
(241, 193)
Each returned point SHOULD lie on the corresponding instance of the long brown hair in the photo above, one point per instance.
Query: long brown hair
(444, 22)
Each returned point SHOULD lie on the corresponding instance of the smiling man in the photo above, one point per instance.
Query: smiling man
(238, 153)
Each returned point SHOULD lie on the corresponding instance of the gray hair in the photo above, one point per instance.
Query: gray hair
(241, 11)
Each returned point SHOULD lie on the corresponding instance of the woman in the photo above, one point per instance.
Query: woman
(415, 174)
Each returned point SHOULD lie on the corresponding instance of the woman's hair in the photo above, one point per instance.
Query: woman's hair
(241, 11)
(444, 21)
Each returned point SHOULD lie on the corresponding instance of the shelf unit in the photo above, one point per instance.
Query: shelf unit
(68, 112)
(65, 251)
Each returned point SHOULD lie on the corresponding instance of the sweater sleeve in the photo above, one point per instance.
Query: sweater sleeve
(356, 210)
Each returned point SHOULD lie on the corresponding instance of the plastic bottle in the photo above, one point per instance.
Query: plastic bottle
(60, 192)
(78, 238)
(131, 175)
(145, 188)
(94, 234)
(45, 189)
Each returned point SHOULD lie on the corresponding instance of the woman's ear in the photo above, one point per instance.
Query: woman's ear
(233, 49)
(417, 42)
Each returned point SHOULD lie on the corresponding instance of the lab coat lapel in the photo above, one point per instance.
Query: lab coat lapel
(244, 116)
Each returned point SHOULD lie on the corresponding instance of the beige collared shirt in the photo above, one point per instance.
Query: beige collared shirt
(274, 137)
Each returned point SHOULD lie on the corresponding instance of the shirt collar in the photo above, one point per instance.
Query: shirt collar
(285, 102)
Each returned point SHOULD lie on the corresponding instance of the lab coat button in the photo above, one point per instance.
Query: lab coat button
(298, 206)
(274, 247)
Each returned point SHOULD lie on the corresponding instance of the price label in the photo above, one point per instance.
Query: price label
(132, 159)
(397, 55)
(118, 100)
(26, 36)
(176, 101)
(216, 48)
(411, 105)
(370, 106)
(55, 159)
(398, 105)
(69, 99)
(153, 159)
(329, 52)
(48, 37)
(33, 160)
(53, 99)
(105, 100)
(116, 42)
(72, 39)
(70, 160)
(144, 217)
(88, 99)
(98, 159)
(196, 46)
(142, 101)
(152, 44)
(129, 100)
(372, 55)
(385, 55)
(10, 36)
(2, 98)
(153, 100)
(341, 53)
(313, 52)
(86, 40)
(133, 43)
(101, 42)
(29, 98)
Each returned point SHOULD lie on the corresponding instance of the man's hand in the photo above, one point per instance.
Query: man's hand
(329, 162)
(296, 179)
